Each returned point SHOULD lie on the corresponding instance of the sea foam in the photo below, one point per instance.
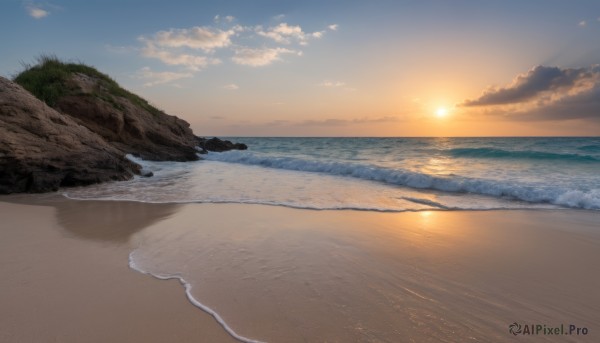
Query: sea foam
(188, 291)
(589, 199)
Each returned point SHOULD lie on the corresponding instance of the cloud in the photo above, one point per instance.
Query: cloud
(198, 47)
(546, 93)
(584, 105)
(198, 37)
(36, 11)
(154, 78)
(538, 81)
(582, 23)
(344, 122)
(226, 19)
(231, 87)
(192, 62)
(328, 83)
(278, 17)
(285, 34)
(259, 57)
(333, 27)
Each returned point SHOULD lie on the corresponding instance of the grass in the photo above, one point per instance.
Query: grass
(48, 81)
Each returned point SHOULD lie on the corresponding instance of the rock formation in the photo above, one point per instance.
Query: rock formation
(42, 149)
(218, 145)
(65, 124)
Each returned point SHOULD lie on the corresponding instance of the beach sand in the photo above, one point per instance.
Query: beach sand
(65, 278)
(279, 274)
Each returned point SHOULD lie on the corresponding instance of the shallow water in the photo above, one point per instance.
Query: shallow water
(383, 174)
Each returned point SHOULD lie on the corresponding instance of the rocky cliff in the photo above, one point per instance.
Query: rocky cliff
(42, 149)
(67, 124)
(123, 119)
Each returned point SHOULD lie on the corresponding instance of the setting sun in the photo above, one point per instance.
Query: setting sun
(441, 112)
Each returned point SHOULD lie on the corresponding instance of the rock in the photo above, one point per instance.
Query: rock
(42, 149)
(218, 145)
(127, 121)
(96, 101)
(147, 174)
(77, 125)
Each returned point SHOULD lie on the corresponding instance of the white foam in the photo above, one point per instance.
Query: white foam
(533, 193)
(194, 301)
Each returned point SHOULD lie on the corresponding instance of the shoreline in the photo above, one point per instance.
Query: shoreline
(76, 227)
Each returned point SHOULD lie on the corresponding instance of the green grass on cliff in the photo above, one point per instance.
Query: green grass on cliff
(48, 81)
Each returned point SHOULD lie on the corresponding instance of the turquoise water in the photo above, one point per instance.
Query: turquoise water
(384, 174)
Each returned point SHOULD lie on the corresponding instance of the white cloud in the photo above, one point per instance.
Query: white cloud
(279, 17)
(231, 87)
(328, 83)
(197, 37)
(318, 34)
(333, 27)
(198, 47)
(285, 33)
(226, 19)
(282, 33)
(582, 23)
(36, 11)
(259, 57)
(154, 78)
(193, 62)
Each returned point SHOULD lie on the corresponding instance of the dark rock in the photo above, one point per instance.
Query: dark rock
(219, 145)
(147, 174)
(42, 149)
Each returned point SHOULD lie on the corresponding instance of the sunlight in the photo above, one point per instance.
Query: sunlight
(441, 112)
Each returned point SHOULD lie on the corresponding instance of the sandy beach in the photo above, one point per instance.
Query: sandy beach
(279, 274)
(66, 278)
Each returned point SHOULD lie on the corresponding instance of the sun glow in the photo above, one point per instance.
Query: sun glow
(441, 112)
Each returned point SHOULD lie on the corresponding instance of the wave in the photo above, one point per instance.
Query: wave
(527, 154)
(593, 148)
(194, 301)
(588, 199)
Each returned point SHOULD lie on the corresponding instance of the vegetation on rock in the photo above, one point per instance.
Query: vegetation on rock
(48, 80)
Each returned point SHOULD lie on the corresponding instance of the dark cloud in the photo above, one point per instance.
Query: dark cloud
(539, 81)
(546, 93)
(584, 105)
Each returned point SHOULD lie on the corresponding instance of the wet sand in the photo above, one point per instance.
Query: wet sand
(65, 278)
(278, 274)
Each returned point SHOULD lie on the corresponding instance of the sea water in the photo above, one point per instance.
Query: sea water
(345, 284)
(381, 174)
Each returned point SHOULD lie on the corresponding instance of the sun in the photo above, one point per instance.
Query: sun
(441, 112)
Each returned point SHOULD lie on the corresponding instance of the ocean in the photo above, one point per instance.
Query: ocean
(281, 274)
(377, 174)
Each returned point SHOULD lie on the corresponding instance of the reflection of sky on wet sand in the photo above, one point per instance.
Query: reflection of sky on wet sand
(282, 274)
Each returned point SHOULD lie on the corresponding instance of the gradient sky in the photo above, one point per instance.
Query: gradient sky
(333, 68)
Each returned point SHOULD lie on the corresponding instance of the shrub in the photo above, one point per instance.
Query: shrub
(48, 81)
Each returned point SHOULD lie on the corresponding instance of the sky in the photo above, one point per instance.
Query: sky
(333, 68)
